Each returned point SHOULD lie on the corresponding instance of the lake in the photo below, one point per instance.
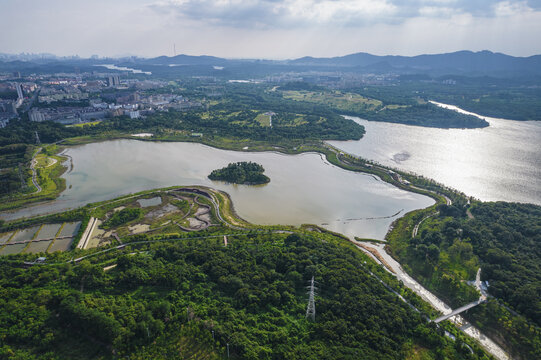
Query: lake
(124, 68)
(499, 162)
(303, 189)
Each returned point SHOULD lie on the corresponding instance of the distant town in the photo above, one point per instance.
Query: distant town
(75, 98)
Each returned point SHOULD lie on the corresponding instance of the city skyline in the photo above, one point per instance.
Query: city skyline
(277, 29)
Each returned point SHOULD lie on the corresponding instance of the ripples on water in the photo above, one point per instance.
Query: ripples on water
(499, 162)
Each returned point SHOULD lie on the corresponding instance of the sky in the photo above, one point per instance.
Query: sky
(271, 29)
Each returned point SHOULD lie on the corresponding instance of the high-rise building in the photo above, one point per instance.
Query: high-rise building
(19, 90)
(113, 80)
(35, 115)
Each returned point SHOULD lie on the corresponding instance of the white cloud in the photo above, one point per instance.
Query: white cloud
(268, 28)
(508, 8)
(435, 11)
(279, 13)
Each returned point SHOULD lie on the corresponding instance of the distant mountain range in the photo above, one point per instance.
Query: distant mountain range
(457, 63)
(460, 62)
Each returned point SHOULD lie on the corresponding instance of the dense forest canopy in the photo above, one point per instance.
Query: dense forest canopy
(249, 173)
(192, 297)
(503, 239)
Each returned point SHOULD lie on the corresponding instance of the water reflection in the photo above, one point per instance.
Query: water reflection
(499, 162)
(303, 188)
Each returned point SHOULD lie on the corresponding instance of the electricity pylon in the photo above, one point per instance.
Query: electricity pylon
(311, 308)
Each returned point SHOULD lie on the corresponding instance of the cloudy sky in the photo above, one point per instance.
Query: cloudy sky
(274, 29)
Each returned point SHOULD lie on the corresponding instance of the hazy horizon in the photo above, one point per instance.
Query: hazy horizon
(269, 29)
(120, 56)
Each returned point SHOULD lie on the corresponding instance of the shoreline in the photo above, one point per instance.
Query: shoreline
(324, 150)
(331, 156)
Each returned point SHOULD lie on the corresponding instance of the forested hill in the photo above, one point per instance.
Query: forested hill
(459, 62)
(193, 298)
(507, 238)
(504, 240)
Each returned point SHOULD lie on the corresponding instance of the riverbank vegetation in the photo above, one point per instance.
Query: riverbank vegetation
(383, 105)
(247, 173)
(518, 99)
(17, 187)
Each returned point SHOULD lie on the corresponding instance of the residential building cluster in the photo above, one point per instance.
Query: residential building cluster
(71, 98)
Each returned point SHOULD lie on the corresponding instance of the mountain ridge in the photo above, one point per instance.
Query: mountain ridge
(463, 62)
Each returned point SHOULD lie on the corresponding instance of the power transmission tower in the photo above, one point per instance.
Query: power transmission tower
(23, 183)
(311, 308)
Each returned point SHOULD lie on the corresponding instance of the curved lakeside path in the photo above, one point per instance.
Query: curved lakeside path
(416, 228)
(380, 255)
(33, 164)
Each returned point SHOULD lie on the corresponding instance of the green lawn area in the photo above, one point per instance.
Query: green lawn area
(263, 120)
(48, 171)
(335, 99)
(86, 124)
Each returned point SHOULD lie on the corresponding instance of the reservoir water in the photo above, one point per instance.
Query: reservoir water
(123, 68)
(303, 188)
(499, 162)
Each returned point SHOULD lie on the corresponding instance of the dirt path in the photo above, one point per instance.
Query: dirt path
(34, 174)
(416, 228)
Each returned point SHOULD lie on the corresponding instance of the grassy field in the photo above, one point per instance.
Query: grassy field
(49, 168)
(263, 120)
(86, 124)
(336, 99)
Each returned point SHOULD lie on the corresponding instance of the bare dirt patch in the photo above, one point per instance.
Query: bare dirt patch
(139, 228)
(162, 211)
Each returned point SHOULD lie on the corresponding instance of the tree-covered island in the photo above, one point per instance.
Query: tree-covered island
(247, 173)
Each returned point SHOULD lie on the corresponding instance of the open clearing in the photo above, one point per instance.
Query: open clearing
(5, 237)
(25, 234)
(70, 229)
(61, 245)
(12, 249)
(48, 234)
(335, 99)
(38, 247)
(48, 231)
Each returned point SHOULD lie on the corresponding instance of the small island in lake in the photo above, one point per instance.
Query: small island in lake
(247, 173)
